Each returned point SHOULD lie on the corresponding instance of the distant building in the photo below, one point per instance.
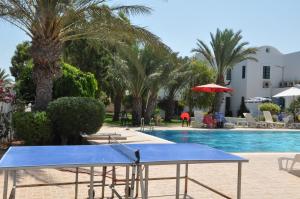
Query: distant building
(272, 73)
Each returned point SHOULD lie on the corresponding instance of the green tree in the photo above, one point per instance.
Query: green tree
(51, 23)
(117, 84)
(133, 76)
(179, 77)
(158, 66)
(90, 56)
(20, 59)
(227, 50)
(199, 73)
(73, 82)
(25, 86)
(143, 73)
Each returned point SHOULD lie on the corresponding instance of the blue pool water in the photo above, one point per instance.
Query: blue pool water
(237, 141)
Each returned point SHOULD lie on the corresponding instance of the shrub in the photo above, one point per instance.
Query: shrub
(32, 127)
(75, 83)
(294, 106)
(71, 116)
(273, 108)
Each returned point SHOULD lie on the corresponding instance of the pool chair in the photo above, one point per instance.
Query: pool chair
(104, 137)
(222, 122)
(251, 122)
(270, 122)
(197, 122)
(287, 160)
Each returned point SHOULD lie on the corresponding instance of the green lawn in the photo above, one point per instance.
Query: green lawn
(108, 121)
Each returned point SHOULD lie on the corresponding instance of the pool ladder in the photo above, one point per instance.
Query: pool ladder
(151, 125)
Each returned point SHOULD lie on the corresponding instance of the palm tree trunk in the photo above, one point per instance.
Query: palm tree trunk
(45, 54)
(44, 86)
(150, 107)
(136, 110)
(219, 96)
(218, 102)
(117, 106)
(170, 106)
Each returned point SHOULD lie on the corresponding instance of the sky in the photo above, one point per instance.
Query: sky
(179, 23)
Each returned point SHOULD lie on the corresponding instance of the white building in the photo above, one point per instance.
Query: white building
(272, 73)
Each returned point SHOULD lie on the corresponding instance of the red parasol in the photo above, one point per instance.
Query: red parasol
(211, 88)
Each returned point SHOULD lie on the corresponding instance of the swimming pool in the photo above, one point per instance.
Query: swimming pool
(237, 141)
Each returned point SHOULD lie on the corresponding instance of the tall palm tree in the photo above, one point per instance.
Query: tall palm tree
(117, 84)
(227, 50)
(134, 77)
(50, 23)
(179, 78)
(4, 77)
(142, 74)
(158, 67)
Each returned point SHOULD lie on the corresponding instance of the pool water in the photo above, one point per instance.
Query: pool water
(237, 141)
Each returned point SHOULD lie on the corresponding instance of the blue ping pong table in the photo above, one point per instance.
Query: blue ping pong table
(132, 156)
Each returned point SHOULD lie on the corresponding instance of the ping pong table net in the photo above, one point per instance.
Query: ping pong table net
(130, 153)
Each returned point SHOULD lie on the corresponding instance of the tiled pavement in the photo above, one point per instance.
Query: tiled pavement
(261, 179)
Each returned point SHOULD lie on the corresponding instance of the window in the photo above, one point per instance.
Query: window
(243, 72)
(228, 74)
(266, 72)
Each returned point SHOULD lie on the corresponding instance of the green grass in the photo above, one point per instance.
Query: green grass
(108, 121)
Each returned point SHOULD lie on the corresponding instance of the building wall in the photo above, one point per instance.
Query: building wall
(282, 68)
(239, 85)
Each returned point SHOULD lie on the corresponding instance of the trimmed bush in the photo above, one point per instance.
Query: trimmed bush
(273, 108)
(32, 127)
(75, 83)
(71, 116)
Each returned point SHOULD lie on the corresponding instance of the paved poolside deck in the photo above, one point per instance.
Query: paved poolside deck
(261, 177)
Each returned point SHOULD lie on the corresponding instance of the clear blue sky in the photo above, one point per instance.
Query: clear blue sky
(179, 23)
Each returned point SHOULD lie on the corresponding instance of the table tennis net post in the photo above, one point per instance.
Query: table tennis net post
(130, 153)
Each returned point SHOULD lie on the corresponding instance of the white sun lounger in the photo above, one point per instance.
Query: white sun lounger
(270, 122)
(252, 122)
(287, 160)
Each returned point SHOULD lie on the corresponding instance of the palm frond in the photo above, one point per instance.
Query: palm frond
(133, 9)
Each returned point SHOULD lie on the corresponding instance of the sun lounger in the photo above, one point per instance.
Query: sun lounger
(251, 122)
(287, 160)
(270, 122)
(104, 136)
(198, 120)
(237, 121)
(222, 122)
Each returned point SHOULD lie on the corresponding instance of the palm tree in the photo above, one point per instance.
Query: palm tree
(157, 65)
(142, 72)
(134, 77)
(227, 50)
(116, 80)
(179, 78)
(51, 23)
(4, 77)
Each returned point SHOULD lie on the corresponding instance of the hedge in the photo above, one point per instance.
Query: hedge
(71, 116)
